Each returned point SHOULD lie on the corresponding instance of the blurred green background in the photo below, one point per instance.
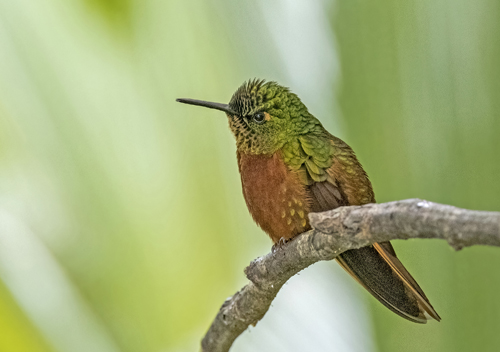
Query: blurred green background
(122, 224)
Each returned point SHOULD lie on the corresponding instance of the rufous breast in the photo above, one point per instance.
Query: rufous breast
(274, 195)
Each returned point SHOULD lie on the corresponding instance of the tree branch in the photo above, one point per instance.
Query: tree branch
(337, 231)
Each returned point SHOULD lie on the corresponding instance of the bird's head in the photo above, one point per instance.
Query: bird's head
(263, 116)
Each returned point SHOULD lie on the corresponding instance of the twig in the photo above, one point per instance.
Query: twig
(337, 231)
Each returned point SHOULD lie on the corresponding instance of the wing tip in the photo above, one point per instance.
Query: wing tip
(426, 309)
(431, 314)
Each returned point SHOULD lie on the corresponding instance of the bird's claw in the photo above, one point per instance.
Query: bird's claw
(279, 244)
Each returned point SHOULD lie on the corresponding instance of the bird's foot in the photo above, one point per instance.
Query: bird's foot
(279, 244)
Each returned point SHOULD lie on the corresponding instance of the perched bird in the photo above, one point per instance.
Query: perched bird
(290, 166)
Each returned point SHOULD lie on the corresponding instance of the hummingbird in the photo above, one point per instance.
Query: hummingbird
(290, 165)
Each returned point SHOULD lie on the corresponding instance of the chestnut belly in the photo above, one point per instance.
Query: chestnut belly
(275, 197)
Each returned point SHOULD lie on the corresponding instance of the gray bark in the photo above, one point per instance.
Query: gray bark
(334, 232)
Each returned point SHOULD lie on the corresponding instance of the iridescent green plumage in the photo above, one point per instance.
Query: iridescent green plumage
(290, 166)
(305, 144)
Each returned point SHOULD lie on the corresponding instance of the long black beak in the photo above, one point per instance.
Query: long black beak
(208, 104)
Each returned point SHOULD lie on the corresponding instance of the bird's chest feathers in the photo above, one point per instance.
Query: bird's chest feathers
(274, 195)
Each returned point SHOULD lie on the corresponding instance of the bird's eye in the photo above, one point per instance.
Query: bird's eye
(259, 118)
